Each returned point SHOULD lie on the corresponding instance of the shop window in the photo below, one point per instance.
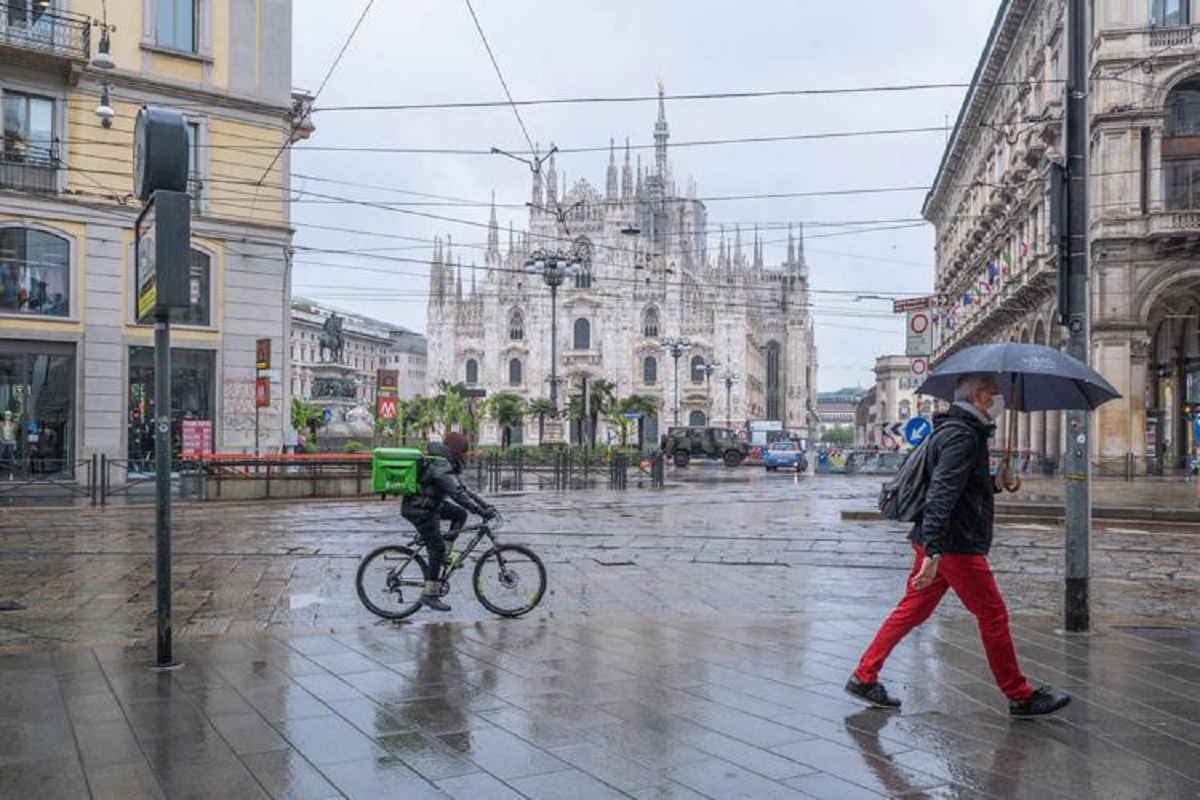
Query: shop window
(35, 273)
(514, 372)
(37, 408)
(193, 384)
(472, 376)
(516, 326)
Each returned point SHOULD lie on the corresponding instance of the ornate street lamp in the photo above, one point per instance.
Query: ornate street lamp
(676, 346)
(729, 378)
(554, 267)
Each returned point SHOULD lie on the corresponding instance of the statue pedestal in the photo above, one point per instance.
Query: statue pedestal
(334, 390)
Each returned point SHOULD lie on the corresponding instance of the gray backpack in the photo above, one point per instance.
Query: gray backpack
(903, 498)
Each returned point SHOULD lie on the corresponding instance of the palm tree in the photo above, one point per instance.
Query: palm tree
(541, 409)
(507, 410)
(644, 405)
(602, 398)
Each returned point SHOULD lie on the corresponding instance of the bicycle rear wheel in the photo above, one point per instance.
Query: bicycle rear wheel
(390, 580)
(510, 580)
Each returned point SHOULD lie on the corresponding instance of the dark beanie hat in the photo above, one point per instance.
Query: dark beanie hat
(456, 444)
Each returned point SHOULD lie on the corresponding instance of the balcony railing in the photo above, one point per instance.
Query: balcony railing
(1167, 223)
(45, 30)
(1170, 37)
(35, 171)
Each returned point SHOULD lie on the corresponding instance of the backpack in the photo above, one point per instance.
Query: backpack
(903, 498)
(397, 470)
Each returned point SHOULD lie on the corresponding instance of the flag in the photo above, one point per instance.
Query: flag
(1024, 249)
(967, 299)
(1007, 257)
(993, 272)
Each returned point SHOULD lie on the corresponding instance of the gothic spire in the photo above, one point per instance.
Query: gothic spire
(661, 134)
(758, 253)
(551, 181)
(791, 259)
(493, 229)
(627, 174)
(435, 270)
(458, 282)
(510, 237)
(610, 185)
(738, 256)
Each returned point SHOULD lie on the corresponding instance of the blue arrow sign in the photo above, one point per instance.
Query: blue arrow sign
(917, 429)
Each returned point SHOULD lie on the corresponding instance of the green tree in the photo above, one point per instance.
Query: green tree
(644, 405)
(841, 436)
(602, 396)
(507, 410)
(306, 417)
(420, 415)
(541, 409)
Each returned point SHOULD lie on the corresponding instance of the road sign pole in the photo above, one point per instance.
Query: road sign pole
(162, 489)
(1077, 465)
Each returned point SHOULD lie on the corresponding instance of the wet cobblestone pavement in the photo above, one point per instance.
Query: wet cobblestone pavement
(693, 645)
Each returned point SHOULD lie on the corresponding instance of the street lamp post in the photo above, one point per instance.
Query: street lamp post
(729, 378)
(676, 346)
(554, 266)
(709, 367)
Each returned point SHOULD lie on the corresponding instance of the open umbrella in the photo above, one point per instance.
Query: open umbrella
(1031, 377)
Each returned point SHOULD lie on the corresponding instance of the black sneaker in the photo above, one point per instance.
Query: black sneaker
(873, 693)
(1043, 701)
(434, 602)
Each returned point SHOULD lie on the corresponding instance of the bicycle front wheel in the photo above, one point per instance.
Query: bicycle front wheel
(510, 580)
(390, 580)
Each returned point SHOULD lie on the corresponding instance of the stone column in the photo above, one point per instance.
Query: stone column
(1121, 356)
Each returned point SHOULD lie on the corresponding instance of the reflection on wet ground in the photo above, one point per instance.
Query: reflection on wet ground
(693, 644)
(616, 705)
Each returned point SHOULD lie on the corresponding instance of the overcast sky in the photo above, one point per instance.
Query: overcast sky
(421, 51)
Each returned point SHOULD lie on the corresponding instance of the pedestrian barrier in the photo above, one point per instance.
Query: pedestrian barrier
(48, 478)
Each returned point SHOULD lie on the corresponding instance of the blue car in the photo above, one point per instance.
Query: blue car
(786, 455)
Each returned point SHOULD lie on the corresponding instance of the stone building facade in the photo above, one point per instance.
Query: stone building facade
(653, 269)
(990, 207)
(369, 345)
(891, 401)
(76, 369)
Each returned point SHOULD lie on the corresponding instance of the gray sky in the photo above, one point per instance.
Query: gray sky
(415, 51)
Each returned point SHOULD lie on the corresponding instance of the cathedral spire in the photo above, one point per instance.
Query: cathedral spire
(510, 237)
(435, 271)
(791, 259)
(493, 229)
(758, 253)
(627, 174)
(610, 185)
(551, 180)
(738, 256)
(661, 134)
(458, 282)
(638, 190)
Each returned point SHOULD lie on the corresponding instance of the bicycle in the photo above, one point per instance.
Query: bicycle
(390, 579)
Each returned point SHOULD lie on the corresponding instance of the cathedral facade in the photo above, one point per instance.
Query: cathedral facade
(652, 269)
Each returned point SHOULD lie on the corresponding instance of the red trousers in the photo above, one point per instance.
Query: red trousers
(971, 579)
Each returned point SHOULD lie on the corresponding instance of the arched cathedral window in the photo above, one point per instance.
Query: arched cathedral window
(650, 322)
(516, 325)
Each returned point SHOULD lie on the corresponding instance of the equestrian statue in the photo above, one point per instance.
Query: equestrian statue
(332, 339)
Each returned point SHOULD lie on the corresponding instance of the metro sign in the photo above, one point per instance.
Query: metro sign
(387, 407)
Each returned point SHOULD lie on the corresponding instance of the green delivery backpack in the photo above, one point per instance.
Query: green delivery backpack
(396, 470)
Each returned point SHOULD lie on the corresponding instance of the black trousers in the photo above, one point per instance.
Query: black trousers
(429, 528)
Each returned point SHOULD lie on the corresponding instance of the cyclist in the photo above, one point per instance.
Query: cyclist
(442, 496)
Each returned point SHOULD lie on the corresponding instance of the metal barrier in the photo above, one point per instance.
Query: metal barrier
(135, 479)
(45, 478)
(290, 475)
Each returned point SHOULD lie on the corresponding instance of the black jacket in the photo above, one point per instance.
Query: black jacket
(439, 482)
(960, 502)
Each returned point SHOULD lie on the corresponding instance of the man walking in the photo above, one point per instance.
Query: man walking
(951, 540)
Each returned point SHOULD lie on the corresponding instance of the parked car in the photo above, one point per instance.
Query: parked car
(786, 455)
(682, 444)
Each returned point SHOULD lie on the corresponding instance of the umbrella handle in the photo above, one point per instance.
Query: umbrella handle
(1007, 473)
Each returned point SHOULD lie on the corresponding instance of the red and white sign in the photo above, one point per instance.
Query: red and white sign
(919, 334)
(197, 437)
(387, 407)
(919, 367)
(262, 392)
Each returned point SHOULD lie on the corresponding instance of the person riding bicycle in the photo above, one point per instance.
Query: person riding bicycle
(442, 496)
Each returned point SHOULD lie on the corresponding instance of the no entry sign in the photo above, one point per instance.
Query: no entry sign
(919, 334)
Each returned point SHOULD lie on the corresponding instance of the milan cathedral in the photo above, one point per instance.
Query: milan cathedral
(648, 273)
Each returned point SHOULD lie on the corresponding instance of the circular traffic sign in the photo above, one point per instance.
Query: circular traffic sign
(920, 366)
(918, 322)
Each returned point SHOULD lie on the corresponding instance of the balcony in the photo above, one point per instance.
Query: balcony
(29, 172)
(1175, 223)
(45, 31)
(1170, 37)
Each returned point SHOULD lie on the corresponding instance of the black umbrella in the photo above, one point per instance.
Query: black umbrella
(1032, 377)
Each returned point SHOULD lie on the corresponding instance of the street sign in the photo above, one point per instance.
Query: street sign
(262, 392)
(387, 407)
(917, 429)
(162, 241)
(262, 354)
(631, 415)
(919, 367)
(474, 392)
(911, 304)
(893, 429)
(919, 334)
